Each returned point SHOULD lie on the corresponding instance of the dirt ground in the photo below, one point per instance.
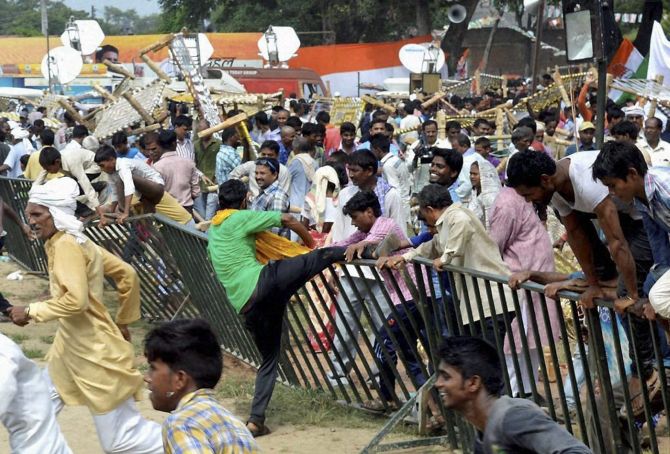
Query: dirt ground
(77, 424)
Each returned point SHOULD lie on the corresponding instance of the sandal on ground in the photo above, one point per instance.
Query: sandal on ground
(637, 399)
(377, 406)
(259, 431)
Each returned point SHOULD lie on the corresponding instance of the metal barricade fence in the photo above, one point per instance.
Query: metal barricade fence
(137, 242)
(346, 337)
(30, 254)
(140, 243)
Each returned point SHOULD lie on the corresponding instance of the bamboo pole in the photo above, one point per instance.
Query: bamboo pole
(119, 69)
(654, 102)
(377, 103)
(158, 45)
(561, 87)
(104, 93)
(155, 68)
(433, 99)
(500, 125)
(232, 121)
(74, 113)
(91, 115)
(146, 129)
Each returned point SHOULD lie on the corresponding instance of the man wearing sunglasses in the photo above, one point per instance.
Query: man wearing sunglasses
(271, 196)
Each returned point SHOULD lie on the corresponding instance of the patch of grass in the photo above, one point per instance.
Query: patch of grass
(47, 339)
(19, 338)
(296, 406)
(143, 368)
(33, 353)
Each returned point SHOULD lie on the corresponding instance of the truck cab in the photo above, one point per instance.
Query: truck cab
(305, 83)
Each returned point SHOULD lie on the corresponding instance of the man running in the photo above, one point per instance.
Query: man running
(91, 361)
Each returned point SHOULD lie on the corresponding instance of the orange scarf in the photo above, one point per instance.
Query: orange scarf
(269, 246)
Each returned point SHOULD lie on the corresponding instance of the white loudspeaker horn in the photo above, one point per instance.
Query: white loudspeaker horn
(457, 13)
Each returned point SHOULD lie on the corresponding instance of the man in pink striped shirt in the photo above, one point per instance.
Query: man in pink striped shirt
(365, 212)
(181, 177)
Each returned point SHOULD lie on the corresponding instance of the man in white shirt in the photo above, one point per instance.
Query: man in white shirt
(21, 147)
(135, 178)
(569, 187)
(394, 170)
(78, 164)
(79, 133)
(658, 149)
(26, 410)
(408, 120)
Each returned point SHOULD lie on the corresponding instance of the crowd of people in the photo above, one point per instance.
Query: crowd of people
(443, 192)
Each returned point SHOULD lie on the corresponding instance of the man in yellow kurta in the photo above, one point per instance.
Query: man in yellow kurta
(91, 360)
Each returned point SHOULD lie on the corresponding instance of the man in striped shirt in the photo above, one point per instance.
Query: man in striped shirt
(182, 127)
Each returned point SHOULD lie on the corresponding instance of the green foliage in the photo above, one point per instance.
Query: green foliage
(185, 13)
(117, 21)
(19, 338)
(350, 21)
(33, 353)
(23, 18)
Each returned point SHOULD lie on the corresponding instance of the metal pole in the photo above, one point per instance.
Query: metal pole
(45, 32)
(602, 82)
(538, 41)
(358, 83)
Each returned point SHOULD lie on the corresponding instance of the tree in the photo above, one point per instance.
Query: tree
(128, 22)
(176, 14)
(24, 18)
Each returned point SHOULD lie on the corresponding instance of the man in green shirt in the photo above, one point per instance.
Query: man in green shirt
(205, 160)
(260, 292)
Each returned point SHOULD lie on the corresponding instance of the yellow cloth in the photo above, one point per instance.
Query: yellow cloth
(269, 246)
(33, 168)
(168, 206)
(89, 362)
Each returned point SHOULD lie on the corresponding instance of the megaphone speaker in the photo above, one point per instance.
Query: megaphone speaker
(457, 13)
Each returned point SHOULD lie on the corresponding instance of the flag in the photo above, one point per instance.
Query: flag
(659, 55)
(627, 62)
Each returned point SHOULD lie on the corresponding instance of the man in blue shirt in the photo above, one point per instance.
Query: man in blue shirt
(123, 150)
(378, 126)
(302, 169)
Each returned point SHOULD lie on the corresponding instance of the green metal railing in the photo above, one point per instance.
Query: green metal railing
(30, 254)
(389, 352)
